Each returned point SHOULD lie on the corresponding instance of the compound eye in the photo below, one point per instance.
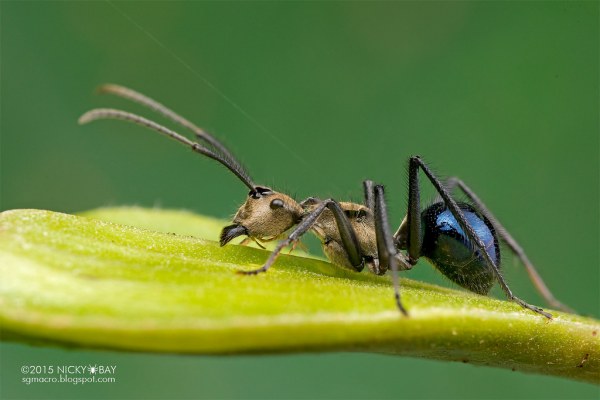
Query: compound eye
(276, 203)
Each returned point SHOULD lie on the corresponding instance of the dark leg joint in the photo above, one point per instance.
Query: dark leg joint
(359, 267)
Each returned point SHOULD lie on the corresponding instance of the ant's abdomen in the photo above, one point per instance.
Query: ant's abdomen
(450, 251)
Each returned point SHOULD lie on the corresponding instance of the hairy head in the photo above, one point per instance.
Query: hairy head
(264, 215)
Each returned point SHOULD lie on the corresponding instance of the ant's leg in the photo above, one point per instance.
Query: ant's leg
(414, 164)
(388, 255)
(535, 277)
(349, 240)
(368, 190)
(413, 215)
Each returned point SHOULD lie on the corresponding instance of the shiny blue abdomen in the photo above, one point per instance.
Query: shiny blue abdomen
(450, 251)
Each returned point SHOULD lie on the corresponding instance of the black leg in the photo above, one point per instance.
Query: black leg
(368, 191)
(535, 277)
(416, 163)
(388, 255)
(349, 240)
(413, 216)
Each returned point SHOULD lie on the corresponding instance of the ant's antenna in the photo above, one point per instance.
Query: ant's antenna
(155, 106)
(225, 159)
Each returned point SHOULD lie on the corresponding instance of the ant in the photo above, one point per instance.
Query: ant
(460, 239)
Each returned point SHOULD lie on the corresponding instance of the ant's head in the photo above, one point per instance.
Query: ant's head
(265, 214)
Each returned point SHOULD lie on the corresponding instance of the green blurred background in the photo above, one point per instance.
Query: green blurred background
(314, 97)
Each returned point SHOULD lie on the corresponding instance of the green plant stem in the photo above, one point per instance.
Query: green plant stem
(81, 281)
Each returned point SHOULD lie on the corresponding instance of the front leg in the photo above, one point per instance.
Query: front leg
(347, 234)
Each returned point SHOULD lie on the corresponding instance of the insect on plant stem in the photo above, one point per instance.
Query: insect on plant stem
(462, 240)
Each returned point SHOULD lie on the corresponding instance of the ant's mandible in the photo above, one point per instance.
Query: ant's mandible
(460, 239)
